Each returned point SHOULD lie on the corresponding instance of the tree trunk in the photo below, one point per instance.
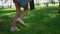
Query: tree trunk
(32, 6)
(47, 4)
(59, 6)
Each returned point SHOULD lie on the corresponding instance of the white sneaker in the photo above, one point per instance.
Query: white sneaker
(14, 29)
(21, 21)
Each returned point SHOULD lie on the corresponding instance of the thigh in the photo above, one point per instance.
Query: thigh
(17, 5)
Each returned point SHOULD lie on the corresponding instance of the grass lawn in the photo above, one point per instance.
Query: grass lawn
(42, 20)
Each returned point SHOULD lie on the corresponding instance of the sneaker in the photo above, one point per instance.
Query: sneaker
(21, 21)
(14, 29)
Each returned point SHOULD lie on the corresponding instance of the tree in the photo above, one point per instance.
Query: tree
(59, 6)
(32, 6)
(52, 1)
(46, 3)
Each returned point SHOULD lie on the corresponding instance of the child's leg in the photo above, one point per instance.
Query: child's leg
(24, 13)
(17, 14)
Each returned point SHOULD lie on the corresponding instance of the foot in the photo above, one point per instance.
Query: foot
(21, 21)
(14, 29)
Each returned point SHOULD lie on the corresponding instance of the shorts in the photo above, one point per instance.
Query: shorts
(23, 3)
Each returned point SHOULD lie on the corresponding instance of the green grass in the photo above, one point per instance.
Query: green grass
(42, 20)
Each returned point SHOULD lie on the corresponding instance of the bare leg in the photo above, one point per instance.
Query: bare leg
(24, 13)
(22, 16)
(16, 16)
